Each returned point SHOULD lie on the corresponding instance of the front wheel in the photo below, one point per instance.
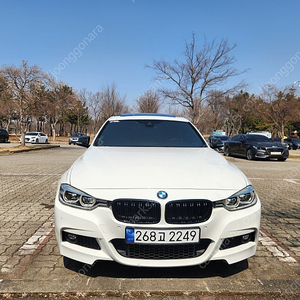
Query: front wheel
(226, 151)
(250, 155)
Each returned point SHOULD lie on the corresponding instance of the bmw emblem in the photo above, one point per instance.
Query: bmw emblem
(162, 195)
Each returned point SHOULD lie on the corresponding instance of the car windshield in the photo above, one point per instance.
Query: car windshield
(223, 137)
(257, 138)
(149, 133)
(32, 133)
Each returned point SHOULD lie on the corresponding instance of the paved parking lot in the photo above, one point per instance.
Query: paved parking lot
(30, 262)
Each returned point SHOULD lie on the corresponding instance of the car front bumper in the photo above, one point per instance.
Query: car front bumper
(268, 154)
(99, 236)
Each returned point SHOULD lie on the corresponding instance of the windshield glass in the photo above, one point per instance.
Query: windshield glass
(223, 137)
(257, 138)
(149, 133)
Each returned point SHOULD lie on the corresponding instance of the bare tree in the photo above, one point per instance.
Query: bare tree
(241, 110)
(149, 102)
(201, 71)
(112, 103)
(281, 107)
(95, 109)
(7, 110)
(216, 111)
(58, 99)
(21, 79)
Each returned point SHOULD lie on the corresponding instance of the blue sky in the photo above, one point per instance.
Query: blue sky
(109, 41)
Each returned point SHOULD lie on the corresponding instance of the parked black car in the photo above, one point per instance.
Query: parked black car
(4, 136)
(73, 139)
(286, 143)
(254, 146)
(217, 142)
(294, 141)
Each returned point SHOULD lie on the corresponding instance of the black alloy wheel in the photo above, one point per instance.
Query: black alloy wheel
(226, 151)
(250, 155)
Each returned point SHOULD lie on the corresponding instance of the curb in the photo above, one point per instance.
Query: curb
(29, 148)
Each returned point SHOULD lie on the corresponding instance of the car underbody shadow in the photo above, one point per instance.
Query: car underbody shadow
(115, 270)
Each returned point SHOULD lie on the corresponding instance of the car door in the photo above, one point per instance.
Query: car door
(43, 138)
(243, 146)
(233, 144)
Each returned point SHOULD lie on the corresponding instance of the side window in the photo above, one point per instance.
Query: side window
(241, 138)
(235, 138)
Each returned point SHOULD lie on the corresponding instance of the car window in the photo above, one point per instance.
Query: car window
(223, 137)
(241, 138)
(149, 133)
(257, 138)
(235, 138)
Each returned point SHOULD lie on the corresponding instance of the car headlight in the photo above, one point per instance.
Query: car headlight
(242, 199)
(71, 196)
(259, 148)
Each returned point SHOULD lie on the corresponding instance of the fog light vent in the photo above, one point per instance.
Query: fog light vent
(84, 241)
(71, 238)
(237, 240)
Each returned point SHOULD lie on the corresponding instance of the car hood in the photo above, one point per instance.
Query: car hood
(147, 168)
(267, 144)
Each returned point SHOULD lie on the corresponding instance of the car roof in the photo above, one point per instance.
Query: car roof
(147, 116)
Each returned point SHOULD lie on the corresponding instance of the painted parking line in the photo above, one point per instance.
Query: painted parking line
(19, 261)
(29, 174)
(291, 180)
(275, 248)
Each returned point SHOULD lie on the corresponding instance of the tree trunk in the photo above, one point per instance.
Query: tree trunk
(282, 133)
(53, 131)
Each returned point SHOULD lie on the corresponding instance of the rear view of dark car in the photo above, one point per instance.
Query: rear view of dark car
(4, 136)
(217, 142)
(254, 146)
(286, 143)
(294, 141)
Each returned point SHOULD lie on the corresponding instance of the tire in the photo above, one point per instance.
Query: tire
(37, 141)
(249, 154)
(226, 151)
(5, 140)
(46, 142)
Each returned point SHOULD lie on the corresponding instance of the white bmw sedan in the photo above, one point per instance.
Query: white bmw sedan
(150, 192)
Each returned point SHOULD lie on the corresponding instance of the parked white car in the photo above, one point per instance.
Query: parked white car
(35, 138)
(150, 192)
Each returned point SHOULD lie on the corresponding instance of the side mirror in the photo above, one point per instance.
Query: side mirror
(83, 141)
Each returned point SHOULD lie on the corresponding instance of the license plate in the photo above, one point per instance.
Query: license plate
(162, 236)
(275, 153)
